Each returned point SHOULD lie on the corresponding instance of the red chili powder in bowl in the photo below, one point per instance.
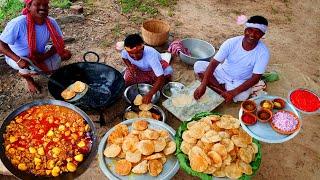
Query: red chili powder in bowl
(248, 119)
(305, 100)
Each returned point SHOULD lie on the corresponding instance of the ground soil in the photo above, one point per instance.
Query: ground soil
(293, 40)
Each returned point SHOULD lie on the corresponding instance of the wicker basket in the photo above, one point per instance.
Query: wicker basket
(155, 32)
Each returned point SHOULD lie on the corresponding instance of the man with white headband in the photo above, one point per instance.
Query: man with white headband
(238, 65)
(144, 65)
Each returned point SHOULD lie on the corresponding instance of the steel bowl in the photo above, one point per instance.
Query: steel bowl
(132, 91)
(83, 166)
(171, 89)
(155, 109)
(200, 50)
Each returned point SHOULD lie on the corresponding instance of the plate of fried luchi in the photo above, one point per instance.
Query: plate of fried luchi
(140, 148)
(212, 145)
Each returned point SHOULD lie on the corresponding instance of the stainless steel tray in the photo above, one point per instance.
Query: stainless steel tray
(209, 101)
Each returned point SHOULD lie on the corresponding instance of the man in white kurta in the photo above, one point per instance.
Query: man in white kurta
(238, 65)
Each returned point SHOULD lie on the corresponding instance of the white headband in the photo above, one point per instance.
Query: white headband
(262, 27)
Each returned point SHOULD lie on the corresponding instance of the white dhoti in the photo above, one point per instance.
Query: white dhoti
(223, 78)
(53, 63)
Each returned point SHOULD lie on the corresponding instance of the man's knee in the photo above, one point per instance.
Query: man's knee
(53, 62)
(200, 66)
(242, 96)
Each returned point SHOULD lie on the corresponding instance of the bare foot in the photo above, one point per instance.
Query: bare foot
(31, 85)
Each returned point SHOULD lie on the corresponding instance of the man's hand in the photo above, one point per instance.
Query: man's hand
(23, 63)
(130, 67)
(228, 96)
(66, 55)
(198, 93)
(147, 99)
(38, 58)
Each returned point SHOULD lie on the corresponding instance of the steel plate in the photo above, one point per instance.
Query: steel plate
(263, 131)
(170, 168)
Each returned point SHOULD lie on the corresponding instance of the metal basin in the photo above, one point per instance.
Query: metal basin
(83, 166)
(155, 109)
(132, 91)
(200, 50)
(171, 89)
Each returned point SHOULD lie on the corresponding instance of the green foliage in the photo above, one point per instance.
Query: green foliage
(128, 5)
(8, 10)
(63, 4)
(116, 31)
(148, 9)
(145, 6)
(137, 19)
(89, 3)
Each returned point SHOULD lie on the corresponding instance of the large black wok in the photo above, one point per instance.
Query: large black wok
(106, 83)
(26, 176)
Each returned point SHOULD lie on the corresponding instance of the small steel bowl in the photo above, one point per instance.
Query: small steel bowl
(155, 109)
(132, 91)
(171, 89)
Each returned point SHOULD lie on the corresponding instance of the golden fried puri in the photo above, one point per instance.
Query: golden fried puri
(142, 148)
(131, 115)
(68, 94)
(145, 114)
(140, 125)
(133, 157)
(112, 151)
(154, 156)
(78, 86)
(159, 144)
(141, 168)
(218, 146)
(154, 167)
(145, 107)
(197, 162)
(123, 167)
(151, 134)
(146, 147)
(170, 148)
(138, 100)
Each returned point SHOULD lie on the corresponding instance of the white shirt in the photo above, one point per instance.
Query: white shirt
(15, 35)
(150, 60)
(240, 64)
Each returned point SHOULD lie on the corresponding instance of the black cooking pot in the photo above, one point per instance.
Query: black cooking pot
(26, 176)
(105, 82)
